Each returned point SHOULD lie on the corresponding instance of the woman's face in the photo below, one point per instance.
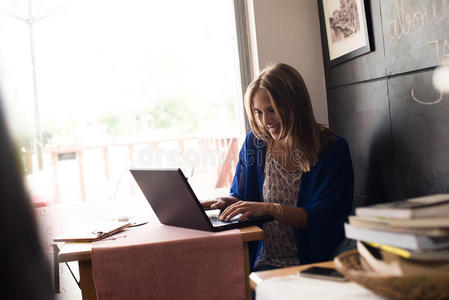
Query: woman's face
(264, 111)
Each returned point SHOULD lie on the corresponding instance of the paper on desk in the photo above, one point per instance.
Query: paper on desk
(295, 287)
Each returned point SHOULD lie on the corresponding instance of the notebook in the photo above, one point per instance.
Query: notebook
(174, 202)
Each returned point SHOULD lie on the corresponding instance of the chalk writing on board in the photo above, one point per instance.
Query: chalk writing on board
(426, 102)
(406, 22)
(440, 55)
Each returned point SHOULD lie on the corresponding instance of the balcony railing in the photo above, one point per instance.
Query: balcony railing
(225, 150)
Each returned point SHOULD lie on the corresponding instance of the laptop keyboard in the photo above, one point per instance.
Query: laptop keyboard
(217, 222)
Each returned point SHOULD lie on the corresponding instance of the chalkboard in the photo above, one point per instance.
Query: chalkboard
(360, 113)
(361, 68)
(416, 33)
(396, 123)
(420, 130)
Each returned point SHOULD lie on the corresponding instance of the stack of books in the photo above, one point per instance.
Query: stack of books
(404, 237)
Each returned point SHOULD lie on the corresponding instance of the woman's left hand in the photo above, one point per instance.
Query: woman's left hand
(246, 208)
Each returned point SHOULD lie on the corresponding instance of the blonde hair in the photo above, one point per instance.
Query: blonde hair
(290, 100)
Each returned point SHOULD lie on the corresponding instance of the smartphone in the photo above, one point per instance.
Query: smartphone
(322, 273)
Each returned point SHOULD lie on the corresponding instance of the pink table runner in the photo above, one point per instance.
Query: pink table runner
(164, 262)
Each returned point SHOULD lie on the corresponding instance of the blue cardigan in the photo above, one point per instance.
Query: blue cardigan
(325, 193)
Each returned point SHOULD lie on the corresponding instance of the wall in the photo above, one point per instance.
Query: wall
(288, 31)
(384, 103)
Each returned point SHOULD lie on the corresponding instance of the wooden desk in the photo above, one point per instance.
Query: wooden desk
(257, 277)
(81, 252)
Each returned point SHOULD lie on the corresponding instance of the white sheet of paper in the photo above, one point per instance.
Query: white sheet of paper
(296, 287)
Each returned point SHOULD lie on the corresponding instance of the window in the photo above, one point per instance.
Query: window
(100, 86)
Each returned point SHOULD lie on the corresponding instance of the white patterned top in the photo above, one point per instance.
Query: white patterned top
(280, 186)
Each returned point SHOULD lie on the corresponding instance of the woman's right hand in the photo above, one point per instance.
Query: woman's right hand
(220, 202)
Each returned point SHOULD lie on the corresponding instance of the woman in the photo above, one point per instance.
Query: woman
(292, 168)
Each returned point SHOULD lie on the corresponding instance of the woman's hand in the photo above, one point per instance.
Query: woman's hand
(246, 208)
(220, 203)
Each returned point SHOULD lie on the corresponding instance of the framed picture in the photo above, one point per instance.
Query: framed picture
(344, 23)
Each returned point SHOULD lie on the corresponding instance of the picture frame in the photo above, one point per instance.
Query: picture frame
(345, 29)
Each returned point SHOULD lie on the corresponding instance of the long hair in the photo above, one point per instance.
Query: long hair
(291, 102)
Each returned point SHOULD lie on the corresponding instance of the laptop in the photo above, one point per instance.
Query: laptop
(175, 204)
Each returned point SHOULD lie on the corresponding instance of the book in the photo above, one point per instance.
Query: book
(428, 206)
(92, 232)
(435, 255)
(421, 227)
(439, 222)
(402, 240)
(372, 261)
(387, 263)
